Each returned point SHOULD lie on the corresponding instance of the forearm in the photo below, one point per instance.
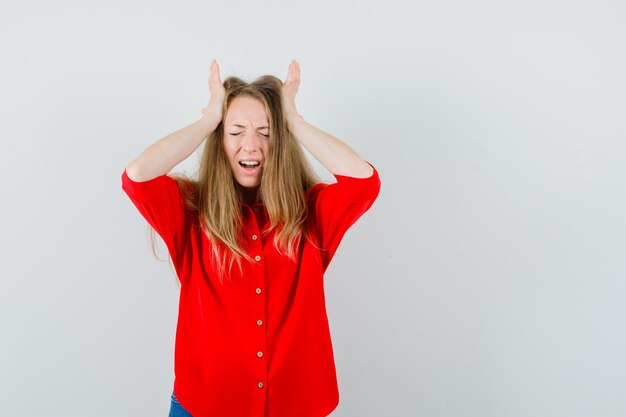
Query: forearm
(331, 152)
(163, 155)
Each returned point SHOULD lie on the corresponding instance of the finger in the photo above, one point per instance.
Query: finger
(211, 71)
(213, 68)
(215, 73)
(288, 77)
(293, 73)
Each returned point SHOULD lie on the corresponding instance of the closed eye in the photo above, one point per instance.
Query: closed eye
(239, 133)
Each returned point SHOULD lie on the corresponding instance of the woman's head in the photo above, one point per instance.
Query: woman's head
(246, 141)
(252, 156)
(252, 123)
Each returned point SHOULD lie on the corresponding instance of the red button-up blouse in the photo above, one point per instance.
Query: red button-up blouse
(257, 344)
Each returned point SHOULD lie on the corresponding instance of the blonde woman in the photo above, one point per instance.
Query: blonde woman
(250, 240)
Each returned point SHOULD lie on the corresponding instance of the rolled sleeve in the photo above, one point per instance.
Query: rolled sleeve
(338, 206)
(160, 203)
(358, 189)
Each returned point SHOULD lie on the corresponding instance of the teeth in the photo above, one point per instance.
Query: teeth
(249, 163)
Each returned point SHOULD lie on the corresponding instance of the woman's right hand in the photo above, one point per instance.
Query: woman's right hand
(213, 110)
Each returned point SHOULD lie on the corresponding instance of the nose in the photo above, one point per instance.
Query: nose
(249, 141)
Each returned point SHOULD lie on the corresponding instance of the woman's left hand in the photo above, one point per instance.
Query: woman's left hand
(335, 155)
(289, 91)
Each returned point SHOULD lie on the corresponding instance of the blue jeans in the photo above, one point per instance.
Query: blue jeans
(177, 410)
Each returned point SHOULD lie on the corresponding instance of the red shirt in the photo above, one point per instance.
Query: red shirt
(258, 344)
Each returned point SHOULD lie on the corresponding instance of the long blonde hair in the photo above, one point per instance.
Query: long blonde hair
(216, 197)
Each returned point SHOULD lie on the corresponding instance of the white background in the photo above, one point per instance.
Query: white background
(487, 280)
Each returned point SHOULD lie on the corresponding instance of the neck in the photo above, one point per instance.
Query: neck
(250, 195)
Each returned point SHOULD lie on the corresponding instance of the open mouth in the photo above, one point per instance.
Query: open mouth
(250, 165)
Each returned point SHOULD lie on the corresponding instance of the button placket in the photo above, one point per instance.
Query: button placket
(257, 254)
(254, 287)
(262, 341)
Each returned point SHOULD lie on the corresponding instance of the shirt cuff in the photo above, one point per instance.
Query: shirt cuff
(145, 191)
(358, 189)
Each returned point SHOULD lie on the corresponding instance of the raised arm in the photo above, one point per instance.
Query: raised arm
(334, 154)
(163, 155)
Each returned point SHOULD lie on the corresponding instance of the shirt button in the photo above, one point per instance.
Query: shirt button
(258, 291)
(260, 385)
(259, 322)
(259, 354)
(254, 237)
(257, 258)
(256, 209)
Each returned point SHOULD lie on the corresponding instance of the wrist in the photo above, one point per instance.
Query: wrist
(209, 121)
(294, 120)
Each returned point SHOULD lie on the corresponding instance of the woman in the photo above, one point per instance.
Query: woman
(250, 241)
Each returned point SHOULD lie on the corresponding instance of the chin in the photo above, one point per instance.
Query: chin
(249, 184)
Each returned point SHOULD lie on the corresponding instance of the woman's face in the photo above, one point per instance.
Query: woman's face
(246, 140)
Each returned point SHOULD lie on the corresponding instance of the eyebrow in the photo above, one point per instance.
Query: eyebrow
(243, 126)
